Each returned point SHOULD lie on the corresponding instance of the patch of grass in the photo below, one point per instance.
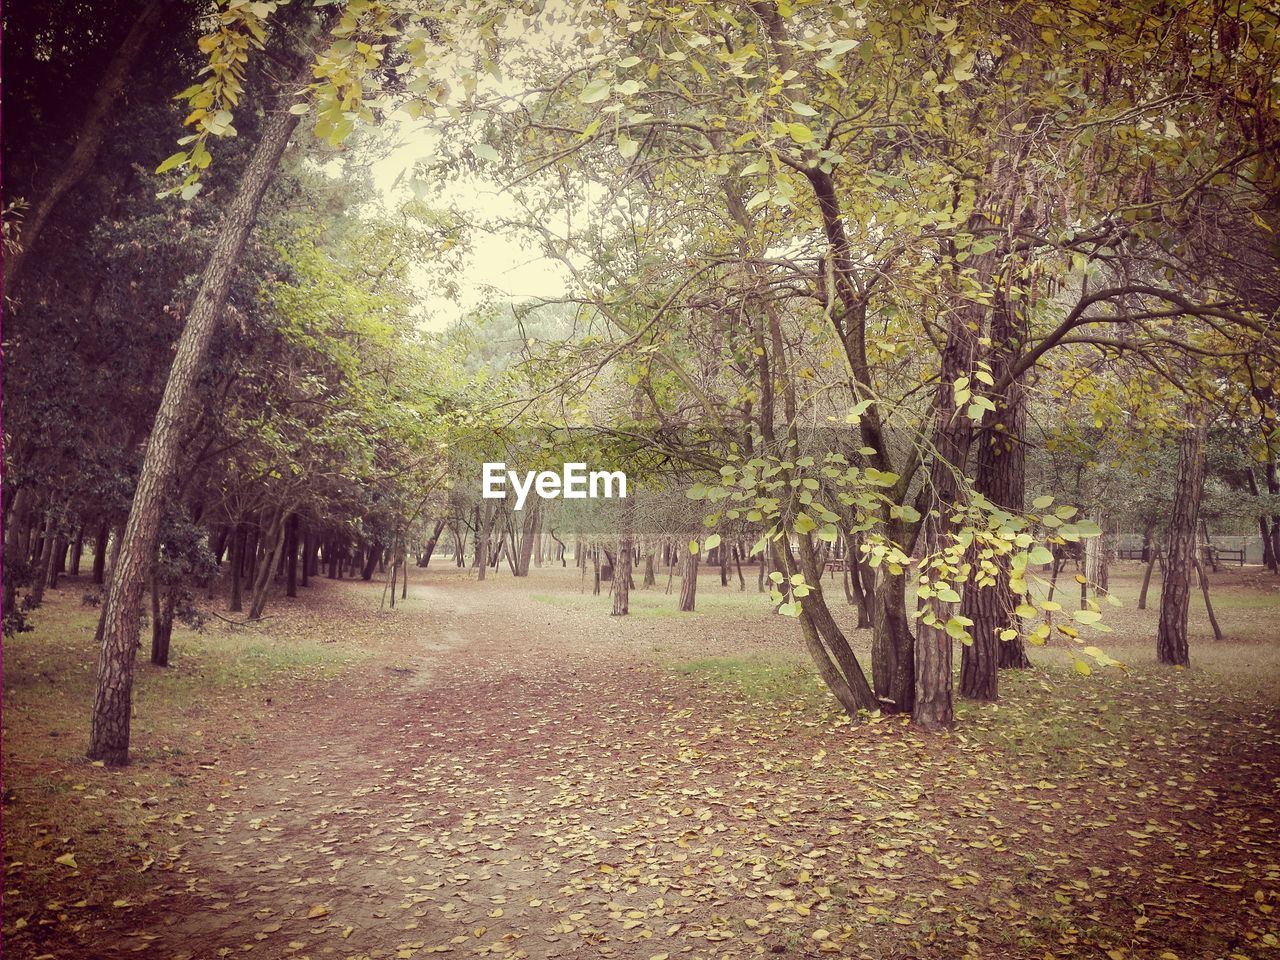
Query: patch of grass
(56, 802)
(758, 676)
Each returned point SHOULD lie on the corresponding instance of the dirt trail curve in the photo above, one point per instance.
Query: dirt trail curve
(446, 799)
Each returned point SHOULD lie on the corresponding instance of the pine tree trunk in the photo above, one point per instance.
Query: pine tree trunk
(1175, 597)
(113, 699)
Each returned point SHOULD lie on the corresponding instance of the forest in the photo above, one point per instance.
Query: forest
(723, 478)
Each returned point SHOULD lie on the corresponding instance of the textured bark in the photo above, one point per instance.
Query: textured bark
(113, 699)
(892, 645)
(689, 582)
(1000, 476)
(291, 556)
(622, 576)
(89, 139)
(100, 553)
(430, 548)
(933, 708)
(1208, 604)
(163, 602)
(236, 565)
(1171, 635)
(528, 526)
(1152, 558)
(856, 692)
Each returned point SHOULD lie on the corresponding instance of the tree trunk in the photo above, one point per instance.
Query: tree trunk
(93, 131)
(1000, 476)
(430, 548)
(291, 557)
(622, 574)
(892, 645)
(1208, 604)
(689, 581)
(1171, 637)
(527, 537)
(163, 601)
(1152, 550)
(236, 565)
(371, 561)
(100, 552)
(113, 699)
(272, 547)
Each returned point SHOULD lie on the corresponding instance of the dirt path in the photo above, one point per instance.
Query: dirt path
(510, 777)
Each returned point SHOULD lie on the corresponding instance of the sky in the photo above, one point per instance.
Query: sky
(498, 267)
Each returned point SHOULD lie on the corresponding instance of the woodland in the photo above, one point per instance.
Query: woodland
(939, 345)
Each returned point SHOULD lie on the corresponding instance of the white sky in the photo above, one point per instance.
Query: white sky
(498, 267)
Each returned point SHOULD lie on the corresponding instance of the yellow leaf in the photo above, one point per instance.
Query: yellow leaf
(67, 860)
(319, 910)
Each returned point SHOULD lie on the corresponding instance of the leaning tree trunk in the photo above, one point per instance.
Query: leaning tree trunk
(1175, 596)
(113, 699)
(92, 132)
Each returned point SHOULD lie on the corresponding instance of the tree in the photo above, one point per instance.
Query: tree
(1175, 598)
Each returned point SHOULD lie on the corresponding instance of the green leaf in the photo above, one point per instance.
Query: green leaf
(1040, 555)
(712, 541)
(177, 160)
(799, 133)
(595, 91)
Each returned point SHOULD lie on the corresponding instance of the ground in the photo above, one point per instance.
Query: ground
(503, 769)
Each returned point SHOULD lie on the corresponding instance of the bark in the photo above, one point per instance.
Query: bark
(483, 534)
(100, 553)
(622, 575)
(1171, 636)
(43, 566)
(1150, 547)
(88, 141)
(163, 602)
(430, 548)
(527, 537)
(272, 547)
(113, 699)
(892, 645)
(689, 582)
(857, 691)
(1208, 604)
(236, 565)
(291, 556)
(1000, 476)
(371, 561)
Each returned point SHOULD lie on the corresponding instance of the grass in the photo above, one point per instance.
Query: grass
(713, 601)
(760, 677)
(118, 825)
